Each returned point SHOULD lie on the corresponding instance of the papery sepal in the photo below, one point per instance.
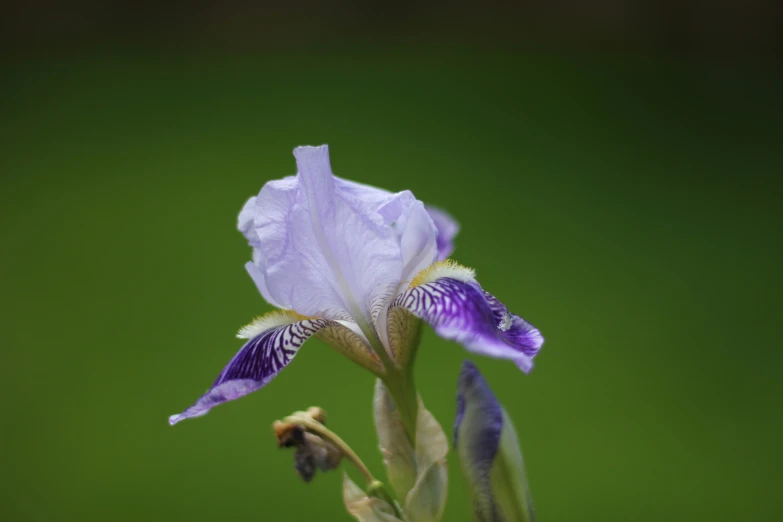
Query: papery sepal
(366, 508)
(393, 442)
(417, 472)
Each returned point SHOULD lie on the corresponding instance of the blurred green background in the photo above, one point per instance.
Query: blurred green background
(627, 204)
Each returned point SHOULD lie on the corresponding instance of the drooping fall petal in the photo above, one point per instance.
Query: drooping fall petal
(448, 297)
(273, 341)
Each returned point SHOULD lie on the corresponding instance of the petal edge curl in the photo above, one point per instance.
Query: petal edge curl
(454, 304)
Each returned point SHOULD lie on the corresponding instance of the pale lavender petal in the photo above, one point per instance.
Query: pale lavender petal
(257, 363)
(259, 279)
(416, 231)
(447, 229)
(368, 193)
(407, 217)
(245, 222)
(459, 309)
(331, 248)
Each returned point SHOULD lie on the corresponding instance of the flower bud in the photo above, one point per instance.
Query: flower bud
(489, 453)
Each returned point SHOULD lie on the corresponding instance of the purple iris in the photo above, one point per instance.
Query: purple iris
(348, 262)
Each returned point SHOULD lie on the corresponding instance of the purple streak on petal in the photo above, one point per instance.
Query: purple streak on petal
(257, 363)
(462, 311)
(447, 229)
(328, 247)
(499, 311)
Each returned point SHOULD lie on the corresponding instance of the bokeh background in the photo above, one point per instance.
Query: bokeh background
(615, 167)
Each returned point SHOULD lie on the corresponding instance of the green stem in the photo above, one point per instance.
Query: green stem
(402, 389)
(399, 381)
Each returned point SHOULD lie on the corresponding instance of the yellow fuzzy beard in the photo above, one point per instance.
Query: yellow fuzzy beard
(268, 321)
(446, 268)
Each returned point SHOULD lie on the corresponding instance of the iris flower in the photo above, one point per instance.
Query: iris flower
(359, 268)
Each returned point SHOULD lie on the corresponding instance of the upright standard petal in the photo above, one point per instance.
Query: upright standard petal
(331, 248)
(446, 227)
(489, 453)
(447, 230)
(448, 297)
(274, 339)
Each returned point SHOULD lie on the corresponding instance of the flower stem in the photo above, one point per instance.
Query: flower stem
(402, 389)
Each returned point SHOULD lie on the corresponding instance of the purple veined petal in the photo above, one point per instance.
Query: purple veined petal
(447, 230)
(328, 247)
(448, 297)
(274, 339)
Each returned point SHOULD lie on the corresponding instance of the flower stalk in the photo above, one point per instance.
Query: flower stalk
(398, 380)
(307, 421)
(402, 389)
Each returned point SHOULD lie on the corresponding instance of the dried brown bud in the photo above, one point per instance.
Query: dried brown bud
(288, 434)
(312, 452)
(315, 454)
